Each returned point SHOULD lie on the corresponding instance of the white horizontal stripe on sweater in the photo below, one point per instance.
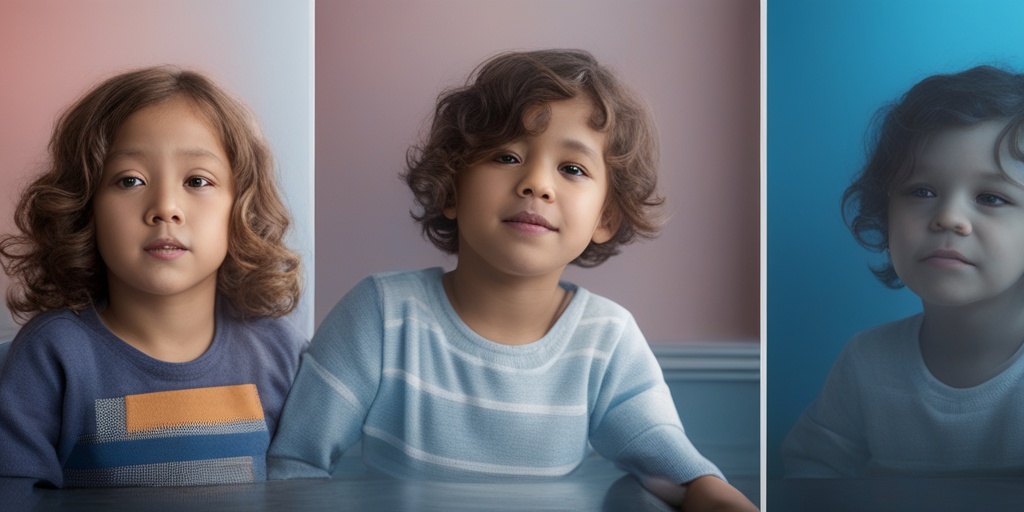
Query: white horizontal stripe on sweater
(465, 465)
(339, 387)
(601, 320)
(553, 410)
(590, 353)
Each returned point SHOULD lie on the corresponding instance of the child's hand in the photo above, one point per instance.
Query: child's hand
(712, 494)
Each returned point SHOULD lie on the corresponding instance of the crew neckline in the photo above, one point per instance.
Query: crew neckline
(556, 337)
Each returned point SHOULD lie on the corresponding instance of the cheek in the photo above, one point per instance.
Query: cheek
(223, 224)
(108, 243)
(901, 225)
(105, 223)
(898, 240)
(592, 206)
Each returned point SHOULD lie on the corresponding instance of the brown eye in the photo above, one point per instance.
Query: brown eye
(921, 192)
(573, 170)
(991, 200)
(198, 182)
(130, 182)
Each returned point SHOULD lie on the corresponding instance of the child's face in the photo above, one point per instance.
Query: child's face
(536, 206)
(163, 204)
(956, 225)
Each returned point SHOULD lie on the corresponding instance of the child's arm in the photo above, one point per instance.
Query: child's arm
(337, 381)
(814, 450)
(826, 441)
(635, 423)
(31, 394)
(710, 493)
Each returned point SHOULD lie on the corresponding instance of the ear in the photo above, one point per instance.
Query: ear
(452, 197)
(449, 212)
(610, 222)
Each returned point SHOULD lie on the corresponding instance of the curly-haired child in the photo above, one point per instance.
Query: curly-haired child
(942, 197)
(497, 369)
(152, 271)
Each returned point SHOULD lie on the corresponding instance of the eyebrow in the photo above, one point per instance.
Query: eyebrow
(577, 145)
(1006, 178)
(993, 177)
(194, 152)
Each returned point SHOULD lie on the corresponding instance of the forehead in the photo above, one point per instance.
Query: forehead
(971, 150)
(172, 120)
(574, 116)
(579, 108)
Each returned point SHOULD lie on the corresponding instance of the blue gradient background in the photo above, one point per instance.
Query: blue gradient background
(831, 65)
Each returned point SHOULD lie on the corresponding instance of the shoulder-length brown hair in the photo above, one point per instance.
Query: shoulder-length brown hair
(54, 260)
(473, 121)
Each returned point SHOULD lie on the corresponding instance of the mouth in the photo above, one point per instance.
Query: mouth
(945, 257)
(530, 221)
(166, 248)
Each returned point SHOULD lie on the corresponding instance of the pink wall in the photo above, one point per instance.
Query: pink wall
(53, 50)
(380, 66)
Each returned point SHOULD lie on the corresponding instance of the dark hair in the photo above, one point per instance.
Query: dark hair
(55, 261)
(903, 128)
(473, 121)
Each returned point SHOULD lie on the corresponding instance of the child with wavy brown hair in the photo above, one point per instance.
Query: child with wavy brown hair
(152, 271)
(497, 370)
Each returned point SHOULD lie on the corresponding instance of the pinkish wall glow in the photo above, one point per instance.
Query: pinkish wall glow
(380, 66)
(261, 50)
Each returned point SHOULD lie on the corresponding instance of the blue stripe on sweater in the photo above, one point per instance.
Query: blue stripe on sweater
(170, 449)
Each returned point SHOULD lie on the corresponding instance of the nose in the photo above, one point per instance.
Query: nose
(950, 217)
(536, 182)
(164, 206)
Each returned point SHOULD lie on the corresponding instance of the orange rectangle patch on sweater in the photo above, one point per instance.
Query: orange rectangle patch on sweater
(188, 407)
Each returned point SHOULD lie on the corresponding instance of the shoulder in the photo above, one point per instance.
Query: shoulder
(50, 340)
(386, 291)
(52, 329)
(405, 283)
(279, 338)
(883, 340)
(878, 354)
(361, 312)
(603, 325)
(596, 312)
(284, 329)
(53, 321)
(598, 306)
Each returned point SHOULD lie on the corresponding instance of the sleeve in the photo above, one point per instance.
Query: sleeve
(288, 345)
(827, 440)
(32, 384)
(635, 422)
(337, 381)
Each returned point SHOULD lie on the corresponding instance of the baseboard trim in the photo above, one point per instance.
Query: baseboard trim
(719, 360)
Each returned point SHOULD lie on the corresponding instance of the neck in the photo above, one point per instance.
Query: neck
(509, 310)
(966, 345)
(175, 328)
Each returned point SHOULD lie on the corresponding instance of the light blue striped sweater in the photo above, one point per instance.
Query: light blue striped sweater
(394, 366)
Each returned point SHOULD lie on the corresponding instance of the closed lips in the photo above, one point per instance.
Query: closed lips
(531, 218)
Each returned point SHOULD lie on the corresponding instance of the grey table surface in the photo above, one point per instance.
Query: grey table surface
(596, 485)
(895, 494)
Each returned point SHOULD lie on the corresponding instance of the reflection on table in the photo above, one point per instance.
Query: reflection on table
(596, 485)
(895, 495)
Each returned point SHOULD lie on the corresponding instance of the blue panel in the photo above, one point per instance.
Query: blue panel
(172, 449)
